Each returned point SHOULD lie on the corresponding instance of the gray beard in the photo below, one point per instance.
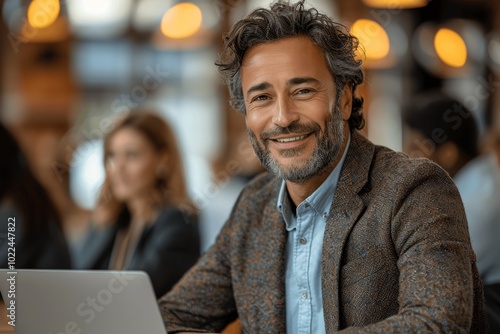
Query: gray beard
(327, 148)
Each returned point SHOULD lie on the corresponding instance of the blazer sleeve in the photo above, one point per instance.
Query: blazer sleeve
(203, 299)
(169, 248)
(439, 284)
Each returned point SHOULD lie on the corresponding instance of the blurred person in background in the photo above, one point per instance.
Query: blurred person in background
(443, 130)
(144, 219)
(39, 241)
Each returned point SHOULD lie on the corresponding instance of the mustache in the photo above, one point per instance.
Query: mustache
(300, 128)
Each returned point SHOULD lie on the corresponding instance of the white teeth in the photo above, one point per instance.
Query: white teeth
(286, 140)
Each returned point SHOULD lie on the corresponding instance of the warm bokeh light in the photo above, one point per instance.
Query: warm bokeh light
(181, 21)
(42, 13)
(56, 32)
(450, 47)
(396, 4)
(372, 37)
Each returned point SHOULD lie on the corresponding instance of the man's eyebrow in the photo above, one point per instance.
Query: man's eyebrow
(298, 81)
(259, 87)
(291, 82)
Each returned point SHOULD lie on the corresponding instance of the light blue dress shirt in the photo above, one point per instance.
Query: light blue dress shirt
(306, 227)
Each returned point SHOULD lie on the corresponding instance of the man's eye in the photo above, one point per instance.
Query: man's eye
(304, 91)
(260, 98)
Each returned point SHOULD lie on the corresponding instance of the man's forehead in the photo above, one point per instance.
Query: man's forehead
(291, 57)
(301, 45)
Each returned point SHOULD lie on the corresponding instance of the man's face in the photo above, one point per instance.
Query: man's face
(294, 120)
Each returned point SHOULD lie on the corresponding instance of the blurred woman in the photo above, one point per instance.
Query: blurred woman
(144, 219)
(30, 231)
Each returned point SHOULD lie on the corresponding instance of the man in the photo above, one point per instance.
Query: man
(442, 129)
(341, 235)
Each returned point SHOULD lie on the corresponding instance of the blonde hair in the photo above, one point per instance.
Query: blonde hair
(170, 188)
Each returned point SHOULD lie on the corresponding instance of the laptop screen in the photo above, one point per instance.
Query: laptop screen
(77, 302)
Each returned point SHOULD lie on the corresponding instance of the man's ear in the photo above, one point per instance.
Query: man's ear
(346, 102)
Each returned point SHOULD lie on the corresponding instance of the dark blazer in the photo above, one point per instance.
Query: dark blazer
(166, 249)
(396, 256)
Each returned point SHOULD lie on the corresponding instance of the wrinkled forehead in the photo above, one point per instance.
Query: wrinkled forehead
(282, 60)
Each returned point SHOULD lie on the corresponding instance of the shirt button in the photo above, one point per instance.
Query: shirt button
(304, 295)
(325, 215)
(303, 241)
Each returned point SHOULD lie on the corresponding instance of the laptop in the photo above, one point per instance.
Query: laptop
(80, 302)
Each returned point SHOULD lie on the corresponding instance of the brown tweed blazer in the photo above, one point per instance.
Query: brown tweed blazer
(396, 256)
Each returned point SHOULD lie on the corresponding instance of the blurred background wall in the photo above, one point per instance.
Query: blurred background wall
(69, 68)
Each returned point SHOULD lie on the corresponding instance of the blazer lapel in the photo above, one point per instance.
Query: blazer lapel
(347, 206)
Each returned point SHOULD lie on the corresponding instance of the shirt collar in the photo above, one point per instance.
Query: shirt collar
(320, 200)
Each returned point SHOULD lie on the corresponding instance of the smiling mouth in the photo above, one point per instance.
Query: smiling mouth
(291, 139)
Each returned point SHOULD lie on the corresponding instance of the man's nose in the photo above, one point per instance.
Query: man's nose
(284, 112)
